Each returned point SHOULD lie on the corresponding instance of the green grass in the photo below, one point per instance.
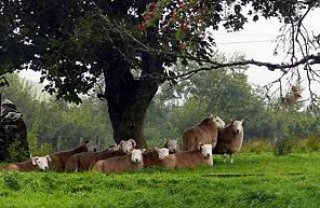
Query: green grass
(260, 180)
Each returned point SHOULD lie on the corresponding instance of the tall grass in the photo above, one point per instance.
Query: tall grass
(283, 146)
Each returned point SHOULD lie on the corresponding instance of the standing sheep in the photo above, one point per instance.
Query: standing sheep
(201, 156)
(134, 161)
(59, 159)
(230, 140)
(85, 160)
(206, 132)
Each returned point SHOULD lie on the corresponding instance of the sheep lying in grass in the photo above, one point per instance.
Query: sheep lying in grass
(206, 132)
(134, 161)
(152, 158)
(85, 160)
(230, 140)
(172, 145)
(34, 164)
(59, 159)
(201, 156)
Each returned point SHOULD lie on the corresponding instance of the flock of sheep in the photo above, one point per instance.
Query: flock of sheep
(210, 136)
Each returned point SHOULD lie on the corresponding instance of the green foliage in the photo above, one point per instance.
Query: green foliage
(258, 146)
(50, 121)
(308, 144)
(16, 151)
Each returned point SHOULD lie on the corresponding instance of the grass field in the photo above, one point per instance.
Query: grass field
(255, 180)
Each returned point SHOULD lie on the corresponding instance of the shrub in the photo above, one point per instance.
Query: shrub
(283, 146)
(308, 144)
(258, 146)
(16, 151)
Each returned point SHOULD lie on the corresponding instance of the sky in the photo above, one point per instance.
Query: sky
(256, 41)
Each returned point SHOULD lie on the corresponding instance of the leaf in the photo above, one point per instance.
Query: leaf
(180, 35)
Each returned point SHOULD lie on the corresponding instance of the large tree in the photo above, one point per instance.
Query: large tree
(129, 42)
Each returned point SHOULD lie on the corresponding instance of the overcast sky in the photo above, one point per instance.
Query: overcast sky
(256, 41)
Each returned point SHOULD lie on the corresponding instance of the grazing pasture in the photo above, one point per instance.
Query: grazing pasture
(254, 180)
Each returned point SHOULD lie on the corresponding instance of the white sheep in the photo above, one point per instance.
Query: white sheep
(201, 156)
(134, 161)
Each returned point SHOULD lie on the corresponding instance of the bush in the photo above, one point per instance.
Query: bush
(16, 151)
(35, 149)
(308, 144)
(283, 146)
(258, 146)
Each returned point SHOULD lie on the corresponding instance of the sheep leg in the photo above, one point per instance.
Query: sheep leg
(224, 156)
(231, 158)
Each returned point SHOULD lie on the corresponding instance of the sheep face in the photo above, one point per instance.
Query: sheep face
(237, 126)
(162, 152)
(136, 155)
(91, 146)
(220, 123)
(172, 145)
(206, 150)
(41, 162)
(127, 146)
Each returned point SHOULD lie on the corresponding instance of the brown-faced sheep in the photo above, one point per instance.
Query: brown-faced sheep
(201, 156)
(34, 164)
(152, 158)
(59, 159)
(134, 161)
(206, 132)
(85, 160)
(229, 140)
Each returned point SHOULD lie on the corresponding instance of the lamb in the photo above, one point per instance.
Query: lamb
(154, 157)
(172, 145)
(34, 164)
(206, 132)
(201, 156)
(59, 159)
(85, 160)
(230, 140)
(118, 164)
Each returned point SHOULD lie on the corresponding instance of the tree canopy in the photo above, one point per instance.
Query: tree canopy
(132, 43)
(72, 42)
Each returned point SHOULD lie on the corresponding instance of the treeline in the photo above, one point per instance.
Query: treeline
(55, 125)
(228, 94)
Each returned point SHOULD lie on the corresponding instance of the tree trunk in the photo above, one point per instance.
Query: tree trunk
(128, 100)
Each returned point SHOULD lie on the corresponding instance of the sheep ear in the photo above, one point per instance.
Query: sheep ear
(120, 144)
(157, 148)
(133, 142)
(49, 158)
(241, 121)
(211, 115)
(199, 145)
(34, 160)
(143, 150)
